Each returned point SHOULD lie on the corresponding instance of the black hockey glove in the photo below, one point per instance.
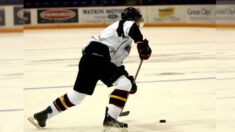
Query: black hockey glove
(134, 86)
(144, 50)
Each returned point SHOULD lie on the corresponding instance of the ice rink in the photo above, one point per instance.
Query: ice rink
(189, 81)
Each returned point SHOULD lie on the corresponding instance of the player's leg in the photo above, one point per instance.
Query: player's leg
(84, 85)
(59, 105)
(113, 75)
(118, 97)
(117, 101)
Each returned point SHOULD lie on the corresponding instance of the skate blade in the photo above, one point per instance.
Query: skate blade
(113, 129)
(33, 121)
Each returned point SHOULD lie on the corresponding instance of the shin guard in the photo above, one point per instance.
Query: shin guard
(62, 103)
(118, 98)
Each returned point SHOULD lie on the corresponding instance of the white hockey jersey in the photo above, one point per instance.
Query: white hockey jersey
(119, 47)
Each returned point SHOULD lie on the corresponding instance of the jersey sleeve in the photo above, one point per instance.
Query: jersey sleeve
(135, 33)
(131, 29)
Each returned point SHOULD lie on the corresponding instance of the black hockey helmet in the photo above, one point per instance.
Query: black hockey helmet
(131, 14)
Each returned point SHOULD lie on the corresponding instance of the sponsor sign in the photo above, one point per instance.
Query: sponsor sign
(94, 15)
(2, 17)
(225, 14)
(113, 14)
(166, 14)
(200, 14)
(104, 15)
(46, 16)
(27, 16)
(21, 16)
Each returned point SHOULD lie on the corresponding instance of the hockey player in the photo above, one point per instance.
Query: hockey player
(102, 60)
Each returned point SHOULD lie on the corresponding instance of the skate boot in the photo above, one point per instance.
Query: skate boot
(111, 122)
(39, 119)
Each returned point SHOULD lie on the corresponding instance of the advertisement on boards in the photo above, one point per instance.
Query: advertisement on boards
(2, 17)
(27, 17)
(113, 14)
(166, 14)
(104, 15)
(225, 14)
(94, 15)
(51, 16)
(200, 14)
(21, 16)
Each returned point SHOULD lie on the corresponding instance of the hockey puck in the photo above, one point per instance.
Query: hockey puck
(162, 121)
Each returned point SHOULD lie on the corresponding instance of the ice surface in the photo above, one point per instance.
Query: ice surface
(189, 81)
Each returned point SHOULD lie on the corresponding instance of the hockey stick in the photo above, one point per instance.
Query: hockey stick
(137, 72)
(126, 113)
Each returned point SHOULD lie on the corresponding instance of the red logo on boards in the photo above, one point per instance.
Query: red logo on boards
(57, 14)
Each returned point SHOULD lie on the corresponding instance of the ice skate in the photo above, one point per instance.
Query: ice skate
(39, 119)
(111, 122)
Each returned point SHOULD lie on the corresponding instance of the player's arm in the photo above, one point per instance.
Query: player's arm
(142, 45)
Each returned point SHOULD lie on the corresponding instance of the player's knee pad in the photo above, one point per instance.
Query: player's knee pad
(123, 83)
(68, 100)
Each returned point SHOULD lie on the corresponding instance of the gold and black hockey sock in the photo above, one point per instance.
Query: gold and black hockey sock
(118, 98)
(62, 103)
